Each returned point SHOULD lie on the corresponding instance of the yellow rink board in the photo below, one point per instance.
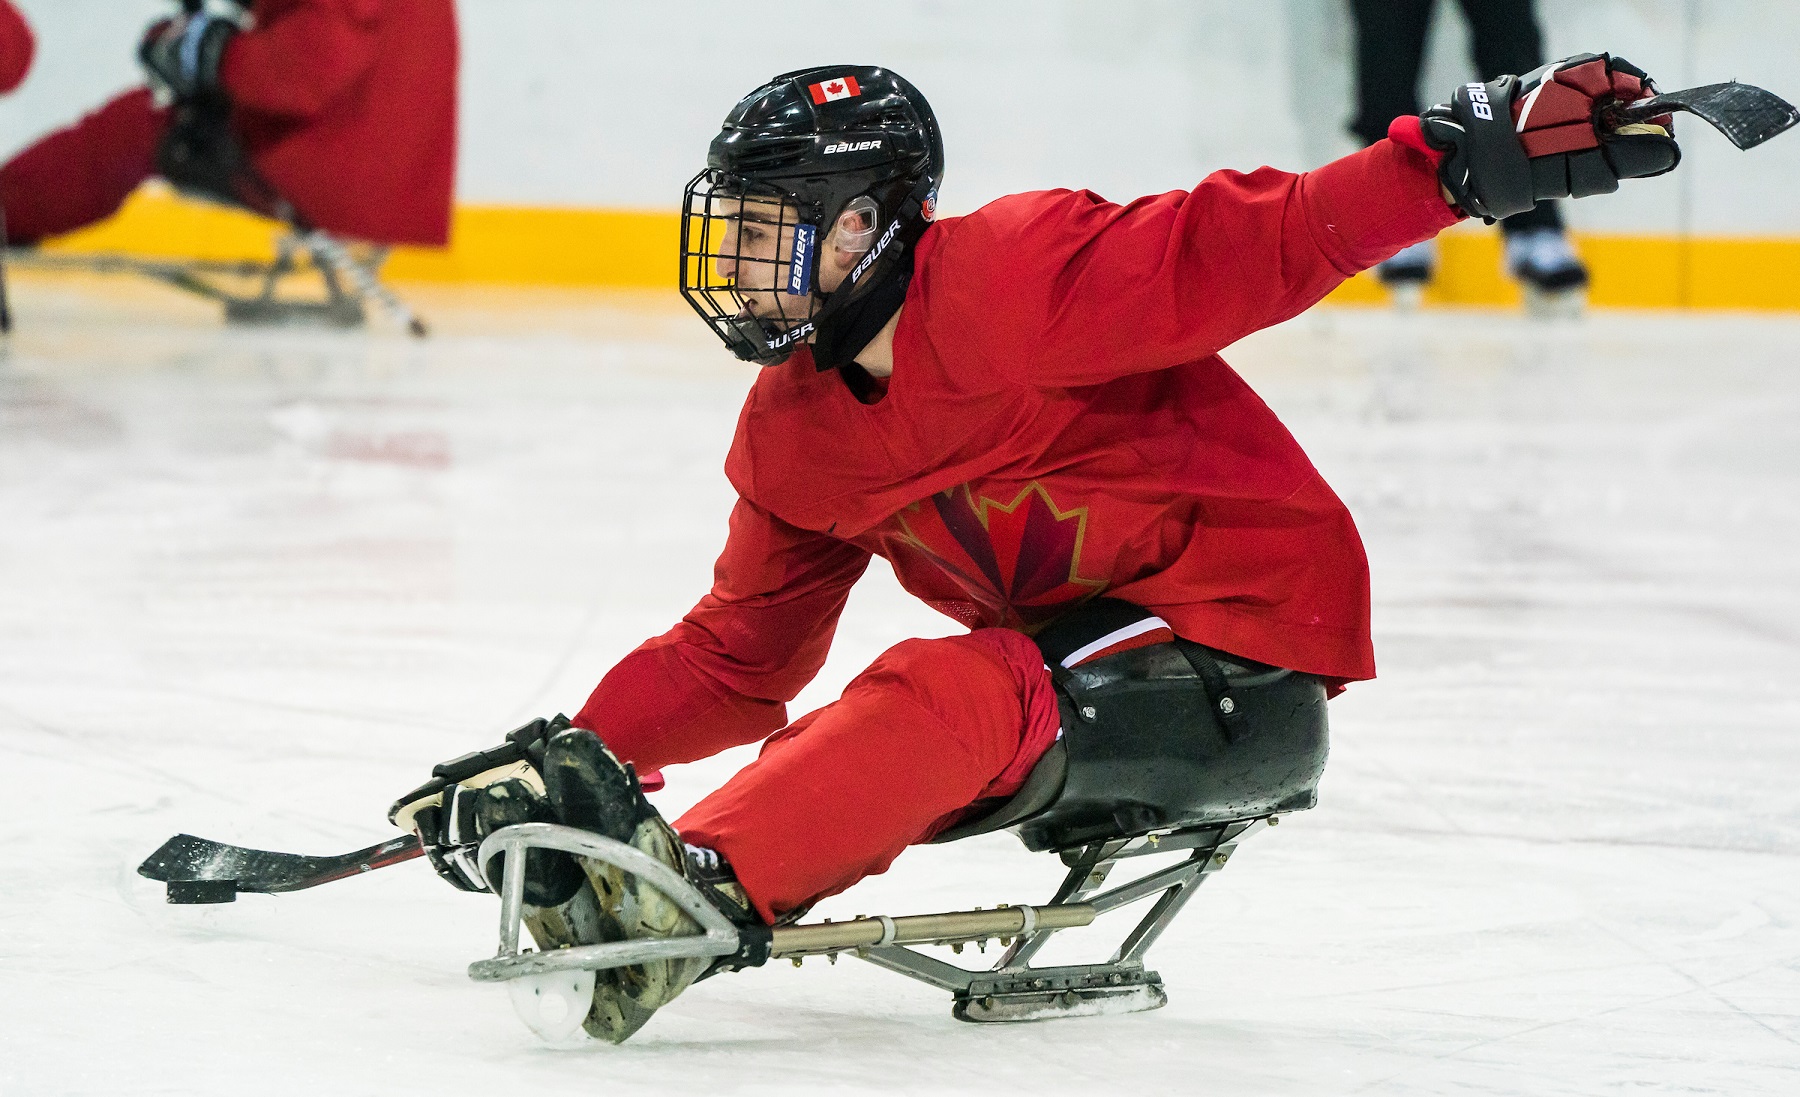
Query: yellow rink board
(637, 248)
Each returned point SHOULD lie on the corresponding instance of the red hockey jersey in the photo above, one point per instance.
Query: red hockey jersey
(1058, 425)
(348, 108)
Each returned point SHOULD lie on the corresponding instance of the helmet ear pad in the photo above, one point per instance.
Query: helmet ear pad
(852, 234)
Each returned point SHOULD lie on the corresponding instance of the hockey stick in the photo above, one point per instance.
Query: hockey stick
(1746, 114)
(199, 870)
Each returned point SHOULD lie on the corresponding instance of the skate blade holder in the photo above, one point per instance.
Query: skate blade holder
(551, 991)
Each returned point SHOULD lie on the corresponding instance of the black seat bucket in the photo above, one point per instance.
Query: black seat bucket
(1143, 749)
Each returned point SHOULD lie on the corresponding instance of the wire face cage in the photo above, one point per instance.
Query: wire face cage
(748, 261)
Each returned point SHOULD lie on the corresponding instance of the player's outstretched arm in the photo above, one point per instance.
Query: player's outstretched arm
(1065, 288)
(722, 676)
(1513, 142)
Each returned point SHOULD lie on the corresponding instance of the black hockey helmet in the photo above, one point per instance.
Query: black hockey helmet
(792, 157)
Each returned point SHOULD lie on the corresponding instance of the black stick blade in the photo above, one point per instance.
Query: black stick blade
(1746, 114)
(185, 860)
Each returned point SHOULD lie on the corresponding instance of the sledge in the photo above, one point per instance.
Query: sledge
(1192, 785)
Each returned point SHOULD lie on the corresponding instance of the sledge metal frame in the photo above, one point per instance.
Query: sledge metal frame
(1011, 990)
(350, 282)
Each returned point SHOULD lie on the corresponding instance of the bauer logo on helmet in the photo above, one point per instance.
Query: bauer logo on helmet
(801, 260)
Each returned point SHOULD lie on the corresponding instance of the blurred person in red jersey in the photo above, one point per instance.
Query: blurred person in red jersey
(16, 47)
(341, 112)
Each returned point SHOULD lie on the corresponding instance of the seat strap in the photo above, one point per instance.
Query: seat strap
(1218, 688)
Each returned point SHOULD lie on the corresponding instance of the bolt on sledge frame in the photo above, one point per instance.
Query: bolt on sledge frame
(1178, 773)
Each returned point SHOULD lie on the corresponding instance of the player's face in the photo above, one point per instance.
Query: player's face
(755, 253)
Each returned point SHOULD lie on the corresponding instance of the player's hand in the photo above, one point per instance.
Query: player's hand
(1515, 141)
(444, 811)
(181, 56)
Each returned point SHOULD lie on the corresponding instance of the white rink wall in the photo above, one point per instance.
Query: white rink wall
(605, 103)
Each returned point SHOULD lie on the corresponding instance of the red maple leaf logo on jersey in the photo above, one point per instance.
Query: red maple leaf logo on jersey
(1020, 561)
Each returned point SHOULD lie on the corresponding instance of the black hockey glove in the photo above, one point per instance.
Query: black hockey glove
(443, 811)
(1518, 140)
(182, 56)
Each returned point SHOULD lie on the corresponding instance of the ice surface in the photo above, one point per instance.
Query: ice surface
(252, 585)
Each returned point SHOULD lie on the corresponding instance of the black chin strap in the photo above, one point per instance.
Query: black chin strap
(842, 336)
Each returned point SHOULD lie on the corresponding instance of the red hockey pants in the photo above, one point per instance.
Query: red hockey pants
(82, 174)
(931, 727)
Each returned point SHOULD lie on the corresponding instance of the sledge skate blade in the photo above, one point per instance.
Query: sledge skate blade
(255, 312)
(1048, 1005)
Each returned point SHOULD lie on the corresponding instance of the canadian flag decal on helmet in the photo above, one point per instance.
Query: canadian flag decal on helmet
(841, 88)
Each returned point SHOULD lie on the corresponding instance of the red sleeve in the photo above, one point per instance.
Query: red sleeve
(304, 55)
(16, 47)
(1068, 289)
(722, 676)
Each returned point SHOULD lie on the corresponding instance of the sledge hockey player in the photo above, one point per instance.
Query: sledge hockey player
(344, 110)
(1023, 410)
(16, 47)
